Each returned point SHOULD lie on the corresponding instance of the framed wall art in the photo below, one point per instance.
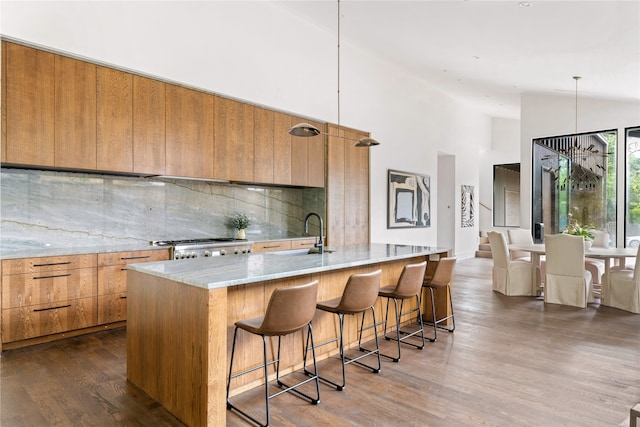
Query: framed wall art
(408, 200)
(468, 218)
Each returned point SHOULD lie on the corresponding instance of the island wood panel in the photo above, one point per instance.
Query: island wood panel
(114, 145)
(263, 146)
(189, 135)
(75, 114)
(148, 126)
(28, 105)
(281, 149)
(37, 320)
(52, 263)
(335, 187)
(19, 290)
(177, 346)
(234, 140)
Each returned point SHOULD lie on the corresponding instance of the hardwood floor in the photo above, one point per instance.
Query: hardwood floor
(511, 361)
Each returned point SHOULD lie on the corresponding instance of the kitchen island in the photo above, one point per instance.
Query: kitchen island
(181, 315)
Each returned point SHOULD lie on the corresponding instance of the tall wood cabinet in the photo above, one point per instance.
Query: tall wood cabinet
(347, 188)
(234, 140)
(149, 152)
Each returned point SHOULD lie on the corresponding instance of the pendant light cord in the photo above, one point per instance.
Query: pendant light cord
(576, 78)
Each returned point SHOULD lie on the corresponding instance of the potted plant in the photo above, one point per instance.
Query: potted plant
(240, 222)
(576, 230)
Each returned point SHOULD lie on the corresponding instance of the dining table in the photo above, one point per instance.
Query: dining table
(604, 253)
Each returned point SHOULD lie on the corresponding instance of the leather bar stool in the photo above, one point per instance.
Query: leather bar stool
(358, 297)
(289, 310)
(441, 279)
(409, 286)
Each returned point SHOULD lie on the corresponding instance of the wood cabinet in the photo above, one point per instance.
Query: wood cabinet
(347, 188)
(303, 243)
(28, 105)
(307, 157)
(189, 137)
(149, 153)
(233, 140)
(281, 149)
(263, 143)
(75, 114)
(112, 281)
(283, 245)
(48, 295)
(114, 143)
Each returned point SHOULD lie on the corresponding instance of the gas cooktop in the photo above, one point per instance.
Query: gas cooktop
(195, 241)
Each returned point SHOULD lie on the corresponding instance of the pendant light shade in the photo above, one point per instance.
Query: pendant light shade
(306, 129)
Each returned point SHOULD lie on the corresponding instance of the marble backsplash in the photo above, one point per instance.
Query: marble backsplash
(66, 209)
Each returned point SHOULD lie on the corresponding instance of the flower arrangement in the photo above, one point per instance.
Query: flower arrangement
(576, 230)
(240, 221)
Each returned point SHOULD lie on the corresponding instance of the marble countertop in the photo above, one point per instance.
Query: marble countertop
(223, 271)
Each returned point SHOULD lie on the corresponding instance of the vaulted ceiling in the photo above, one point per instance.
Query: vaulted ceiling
(488, 53)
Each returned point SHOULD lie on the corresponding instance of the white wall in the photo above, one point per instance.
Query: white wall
(544, 116)
(505, 148)
(256, 51)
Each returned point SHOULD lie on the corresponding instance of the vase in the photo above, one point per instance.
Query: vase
(587, 244)
(241, 234)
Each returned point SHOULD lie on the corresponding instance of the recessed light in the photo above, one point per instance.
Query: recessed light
(525, 4)
(476, 57)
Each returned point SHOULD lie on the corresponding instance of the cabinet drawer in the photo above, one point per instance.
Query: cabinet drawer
(272, 245)
(122, 258)
(303, 243)
(112, 279)
(22, 290)
(46, 264)
(34, 321)
(112, 308)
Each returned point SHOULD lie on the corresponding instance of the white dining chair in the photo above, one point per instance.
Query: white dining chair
(520, 236)
(593, 265)
(567, 281)
(509, 277)
(624, 288)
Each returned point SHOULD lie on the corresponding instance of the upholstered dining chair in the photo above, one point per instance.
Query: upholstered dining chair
(624, 288)
(593, 265)
(509, 277)
(567, 281)
(520, 236)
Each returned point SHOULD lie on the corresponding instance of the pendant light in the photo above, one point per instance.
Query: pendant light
(307, 130)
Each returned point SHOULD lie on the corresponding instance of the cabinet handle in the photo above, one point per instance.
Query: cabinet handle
(53, 263)
(123, 297)
(52, 308)
(270, 247)
(136, 257)
(53, 276)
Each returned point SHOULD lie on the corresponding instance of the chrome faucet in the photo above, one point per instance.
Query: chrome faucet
(319, 245)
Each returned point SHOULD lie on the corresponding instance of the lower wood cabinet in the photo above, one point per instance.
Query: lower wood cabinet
(283, 245)
(45, 296)
(112, 281)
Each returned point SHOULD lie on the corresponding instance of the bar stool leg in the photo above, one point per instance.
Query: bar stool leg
(399, 338)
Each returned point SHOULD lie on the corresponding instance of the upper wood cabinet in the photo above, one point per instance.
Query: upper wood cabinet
(114, 120)
(307, 157)
(233, 140)
(149, 153)
(75, 113)
(28, 102)
(189, 139)
(347, 188)
(263, 152)
(281, 149)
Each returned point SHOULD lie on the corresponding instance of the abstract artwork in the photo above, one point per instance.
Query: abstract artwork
(467, 206)
(409, 200)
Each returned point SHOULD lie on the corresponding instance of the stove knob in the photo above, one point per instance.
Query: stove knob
(179, 256)
(223, 252)
(249, 250)
(194, 255)
(207, 253)
(236, 251)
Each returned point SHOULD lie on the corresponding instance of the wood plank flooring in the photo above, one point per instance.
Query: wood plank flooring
(513, 361)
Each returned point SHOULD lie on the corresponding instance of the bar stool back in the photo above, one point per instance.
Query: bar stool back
(359, 295)
(409, 286)
(442, 278)
(289, 310)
